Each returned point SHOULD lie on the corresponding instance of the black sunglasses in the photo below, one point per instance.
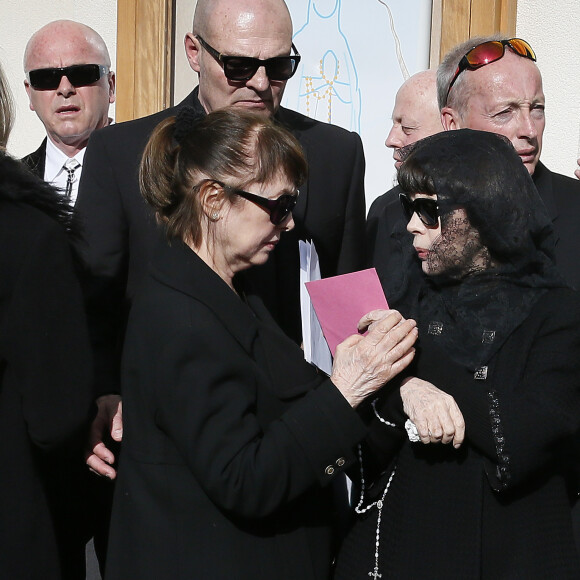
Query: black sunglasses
(79, 75)
(425, 208)
(243, 68)
(488, 52)
(279, 209)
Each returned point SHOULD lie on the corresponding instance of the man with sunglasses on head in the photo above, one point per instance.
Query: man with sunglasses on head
(70, 86)
(493, 84)
(243, 54)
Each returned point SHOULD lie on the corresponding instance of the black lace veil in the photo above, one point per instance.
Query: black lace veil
(473, 310)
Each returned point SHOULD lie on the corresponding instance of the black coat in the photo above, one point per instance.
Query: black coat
(561, 195)
(120, 229)
(80, 500)
(231, 440)
(36, 161)
(45, 370)
(498, 508)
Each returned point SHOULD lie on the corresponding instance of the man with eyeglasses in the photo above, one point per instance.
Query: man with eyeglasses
(243, 54)
(70, 87)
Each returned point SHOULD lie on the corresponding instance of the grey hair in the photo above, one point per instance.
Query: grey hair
(459, 96)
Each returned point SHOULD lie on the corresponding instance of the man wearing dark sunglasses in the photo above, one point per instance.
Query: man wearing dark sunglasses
(70, 87)
(243, 54)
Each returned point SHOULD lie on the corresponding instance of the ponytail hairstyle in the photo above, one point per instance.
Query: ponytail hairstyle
(231, 146)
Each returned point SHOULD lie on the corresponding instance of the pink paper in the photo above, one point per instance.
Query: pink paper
(341, 301)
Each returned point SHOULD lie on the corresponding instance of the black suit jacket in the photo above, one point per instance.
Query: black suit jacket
(36, 161)
(120, 229)
(561, 195)
(386, 228)
(230, 438)
(45, 375)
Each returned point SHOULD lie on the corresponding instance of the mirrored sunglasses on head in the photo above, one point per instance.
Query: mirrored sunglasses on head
(491, 51)
(79, 75)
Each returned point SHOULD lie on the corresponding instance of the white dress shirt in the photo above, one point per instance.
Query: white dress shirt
(54, 172)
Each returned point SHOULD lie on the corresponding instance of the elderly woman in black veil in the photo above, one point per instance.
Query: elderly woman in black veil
(467, 470)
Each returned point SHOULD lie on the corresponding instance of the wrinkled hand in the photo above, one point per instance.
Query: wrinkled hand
(109, 419)
(434, 412)
(363, 364)
(577, 172)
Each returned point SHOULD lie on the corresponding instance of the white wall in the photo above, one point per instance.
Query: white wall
(19, 19)
(552, 27)
(184, 79)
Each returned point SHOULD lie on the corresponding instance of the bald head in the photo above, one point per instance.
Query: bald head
(211, 16)
(415, 114)
(65, 35)
(246, 28)
(69, 113)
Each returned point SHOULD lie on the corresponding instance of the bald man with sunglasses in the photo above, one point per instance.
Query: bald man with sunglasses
(243, 54)
(70, 87)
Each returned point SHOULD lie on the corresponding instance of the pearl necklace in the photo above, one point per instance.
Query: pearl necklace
(359, 509)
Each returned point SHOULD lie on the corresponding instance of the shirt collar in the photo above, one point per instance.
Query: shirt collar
(55, 159)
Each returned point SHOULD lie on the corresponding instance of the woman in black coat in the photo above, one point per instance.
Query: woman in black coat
(231, 442)
(469, 470)
(45, 366)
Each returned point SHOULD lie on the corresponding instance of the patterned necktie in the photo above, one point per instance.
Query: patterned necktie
(70, 167)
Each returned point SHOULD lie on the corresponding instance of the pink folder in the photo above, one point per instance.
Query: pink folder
(341, 301)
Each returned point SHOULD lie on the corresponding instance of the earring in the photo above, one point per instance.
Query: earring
(215, 216)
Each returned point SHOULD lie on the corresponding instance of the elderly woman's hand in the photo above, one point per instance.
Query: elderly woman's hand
(363, 364)
(434, 412)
